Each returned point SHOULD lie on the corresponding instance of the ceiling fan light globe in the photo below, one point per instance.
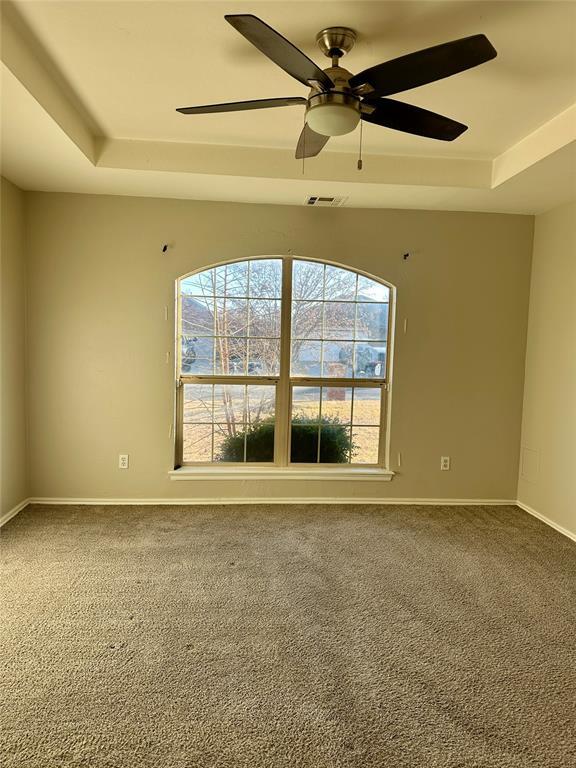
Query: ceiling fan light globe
(332, 119)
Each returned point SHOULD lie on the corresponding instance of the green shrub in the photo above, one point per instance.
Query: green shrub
(335, 442)
(259, 443)
(335, 445)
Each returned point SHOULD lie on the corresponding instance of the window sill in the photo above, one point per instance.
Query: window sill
(277, 473)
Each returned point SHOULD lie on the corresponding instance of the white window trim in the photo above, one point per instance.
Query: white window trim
(283, 469)
(355, 472)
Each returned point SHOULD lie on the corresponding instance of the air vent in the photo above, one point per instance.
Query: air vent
(326, 202)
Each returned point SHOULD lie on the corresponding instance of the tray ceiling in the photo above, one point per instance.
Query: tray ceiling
(120, 69)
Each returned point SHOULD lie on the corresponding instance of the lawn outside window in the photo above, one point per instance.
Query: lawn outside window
(282, 363)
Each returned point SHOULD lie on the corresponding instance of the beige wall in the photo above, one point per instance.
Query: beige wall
(100, 384)
(547, 480)
(13, 453)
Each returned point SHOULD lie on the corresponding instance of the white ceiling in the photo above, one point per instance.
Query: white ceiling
(100, 81)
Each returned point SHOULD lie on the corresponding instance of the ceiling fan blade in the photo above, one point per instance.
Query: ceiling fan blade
(310, 143)
(239, 106)
(410, 119)
(280, 50)
(425, 66)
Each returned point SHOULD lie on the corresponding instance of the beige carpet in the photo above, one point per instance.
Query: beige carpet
(276, 637)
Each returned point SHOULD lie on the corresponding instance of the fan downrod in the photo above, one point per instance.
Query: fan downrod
(335, 42)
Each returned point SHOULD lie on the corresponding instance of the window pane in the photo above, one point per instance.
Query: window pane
(266, 278)
(231, 280)
(231, 317)
(260, 442)
(261, 403)
(370, 360)
(238, 420)
(200, 284)
(228, 443)
(365, 445)
(306, 403)
(367, 406)
(339, 284)
(321, 438)
(197, 355)
(263, 357)
(198, 403)
(370, 290)
(304, 443)
(231, 356)
(372, 321)
(307, 280)
(337, 404)
(337, 359)
(217, 319)
(264, 318)
(306, 358)
(253, 443)
(334, 443)
(230, 404)
(197, 442)
(350, 308)
(197, 316)
(339, 320)
(261, 417)
(307, 319)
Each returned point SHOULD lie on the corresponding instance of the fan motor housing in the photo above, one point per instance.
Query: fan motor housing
(340, 78)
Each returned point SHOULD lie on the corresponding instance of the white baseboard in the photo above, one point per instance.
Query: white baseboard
(13, 512)
(275, 500)
(289, 500)
(546, 520)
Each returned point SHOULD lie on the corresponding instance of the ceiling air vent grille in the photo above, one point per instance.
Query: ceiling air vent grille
(325, 202)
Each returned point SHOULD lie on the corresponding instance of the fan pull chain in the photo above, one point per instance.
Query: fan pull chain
(304, 144)
(360, 150)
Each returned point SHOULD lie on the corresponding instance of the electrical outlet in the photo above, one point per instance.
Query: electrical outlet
(444, 463)
(123, 461)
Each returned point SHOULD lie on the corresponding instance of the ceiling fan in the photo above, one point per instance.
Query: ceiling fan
(338, 100)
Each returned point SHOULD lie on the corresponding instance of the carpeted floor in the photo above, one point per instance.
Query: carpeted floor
(284, 637)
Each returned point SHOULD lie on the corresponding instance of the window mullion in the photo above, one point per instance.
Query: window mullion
(223, 379)
(353, 397)
(212, 427)
(322, 390)
(282, 430)
(179, 430)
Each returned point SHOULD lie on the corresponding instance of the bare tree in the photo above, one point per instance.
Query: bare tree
(231, 323)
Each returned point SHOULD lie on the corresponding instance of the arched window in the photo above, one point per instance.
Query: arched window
(282, 361)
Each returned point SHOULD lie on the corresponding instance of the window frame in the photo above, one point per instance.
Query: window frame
(284, 382)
